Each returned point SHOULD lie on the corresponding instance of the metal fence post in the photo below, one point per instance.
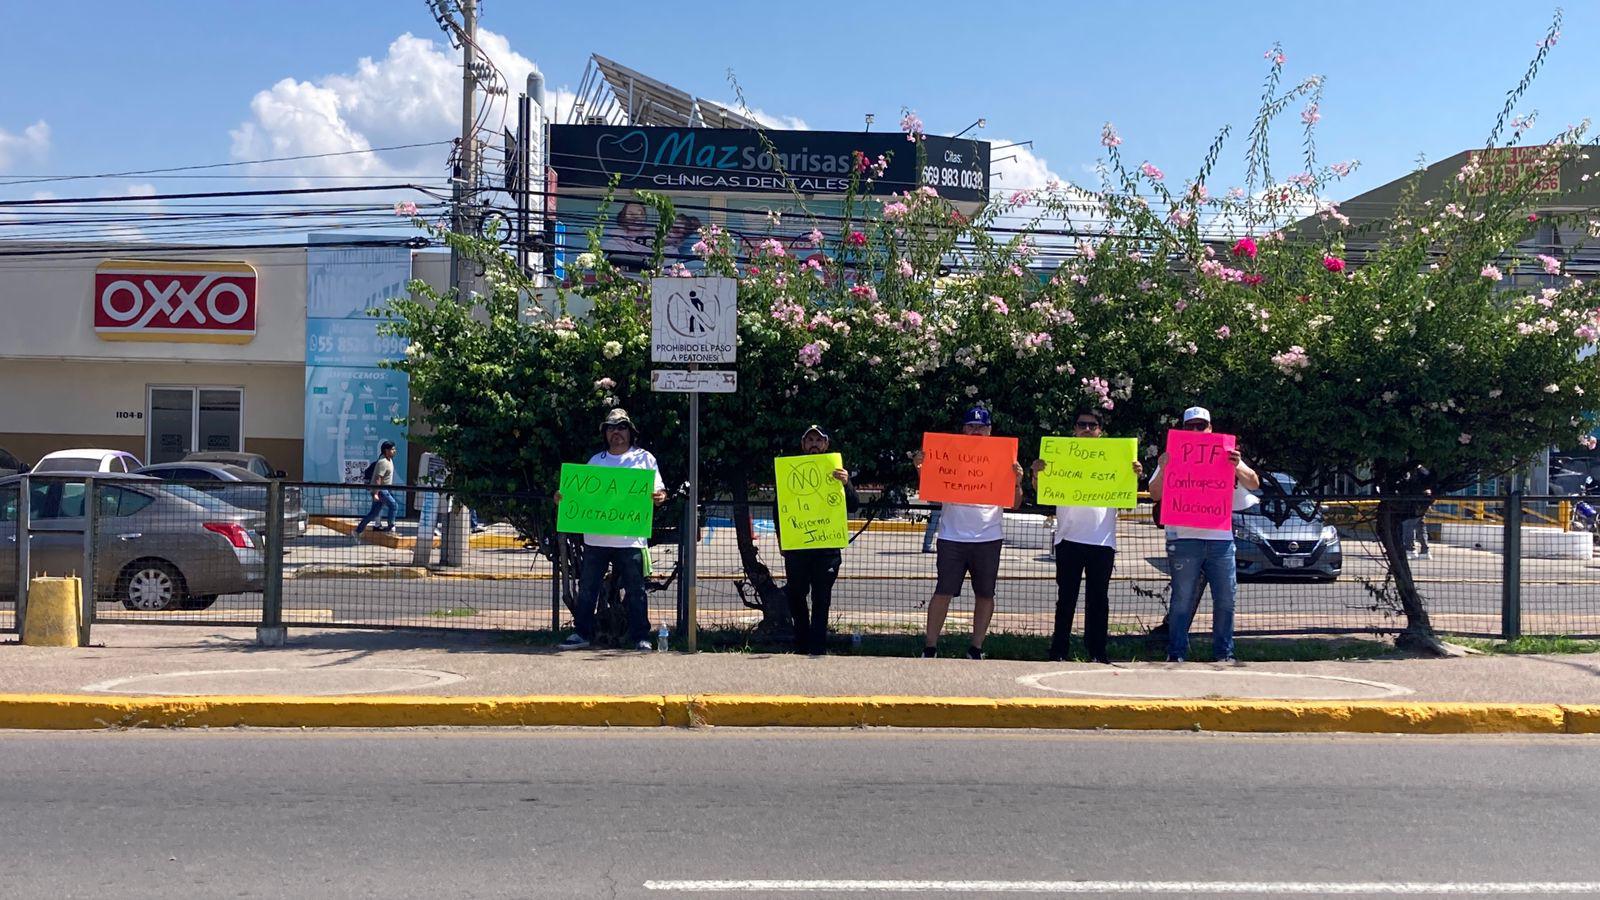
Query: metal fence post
(24, 558)
(271, 632)
(558, 576)
(1511, 569)
(91, 521)
(686, 535)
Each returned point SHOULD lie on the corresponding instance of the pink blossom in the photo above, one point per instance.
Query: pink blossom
(1151, 172)
(815, 237)
(895, 210)
(1109, 137)
(1180, 217)
(1310, 115)
(405, 208)
(1552, 266)
(1291, 361)
(998, 304)
(701, 248)
(814, 264)
(912, 318)
(811, 354)
(1464, 438)
(1246, 247)
(1341, 169)
(1224, 332)
(1333, 263)
(911, 125)
(906, 270)
(604, 384)
(1490, 272)
(1252, 280)
(866, 291)
(857, 239)
(1021, 198)
(1586, 332)
(772, 247)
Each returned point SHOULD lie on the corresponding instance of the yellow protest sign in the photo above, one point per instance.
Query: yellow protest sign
(1088, 472)
(811, 512)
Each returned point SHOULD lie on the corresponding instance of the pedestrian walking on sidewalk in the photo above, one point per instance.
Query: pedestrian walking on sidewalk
(1086, 544)
(379, 476)
(625, 555)
(970, 538)
(1198, 555)
(812, 572)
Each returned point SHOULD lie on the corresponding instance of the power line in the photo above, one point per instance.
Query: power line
(249, 162)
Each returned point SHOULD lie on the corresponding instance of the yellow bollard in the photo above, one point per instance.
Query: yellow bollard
(54, 608)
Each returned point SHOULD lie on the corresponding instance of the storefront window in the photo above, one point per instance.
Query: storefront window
(184, 420)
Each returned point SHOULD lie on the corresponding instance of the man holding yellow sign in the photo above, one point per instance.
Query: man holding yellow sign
(1088, 477)
(814, 496)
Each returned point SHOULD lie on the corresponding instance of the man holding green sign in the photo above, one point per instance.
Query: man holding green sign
(814, 499)
(1088, 478)
(611, 502)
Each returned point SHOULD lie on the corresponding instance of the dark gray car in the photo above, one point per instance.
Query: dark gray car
(235, 486)
(10, 465)
(159, 547)
(1285, 536)
(252, 462)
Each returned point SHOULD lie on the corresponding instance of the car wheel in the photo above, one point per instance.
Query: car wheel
(151, 585)
(201, 602)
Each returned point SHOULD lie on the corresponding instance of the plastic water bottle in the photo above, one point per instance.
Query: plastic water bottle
(661, 638)
(855, 638)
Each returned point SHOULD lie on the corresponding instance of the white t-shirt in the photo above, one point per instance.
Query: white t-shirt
(634, 458)
(1092, 525)
(971, 523)
(1242, 499)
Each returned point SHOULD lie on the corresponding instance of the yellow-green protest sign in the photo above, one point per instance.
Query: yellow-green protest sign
(606, 500)
(811, 513)
(1088, 472)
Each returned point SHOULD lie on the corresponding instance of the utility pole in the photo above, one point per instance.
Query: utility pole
(465, 184)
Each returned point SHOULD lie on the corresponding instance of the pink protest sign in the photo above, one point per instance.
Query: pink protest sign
(1197, 480)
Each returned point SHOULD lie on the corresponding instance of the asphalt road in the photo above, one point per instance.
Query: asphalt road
(599, 813)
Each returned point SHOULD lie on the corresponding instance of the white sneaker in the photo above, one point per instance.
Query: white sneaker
(1411, 554)
(1426, 554)
(574, 641)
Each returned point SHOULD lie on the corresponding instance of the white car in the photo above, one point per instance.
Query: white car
(116, 461)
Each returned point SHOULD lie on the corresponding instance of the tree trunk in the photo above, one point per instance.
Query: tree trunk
(770, 598)
(1418, 635)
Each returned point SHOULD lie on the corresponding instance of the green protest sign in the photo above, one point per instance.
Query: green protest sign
(1088, 472)
(606, 500)
(811, 511)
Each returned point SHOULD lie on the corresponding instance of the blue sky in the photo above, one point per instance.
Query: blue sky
(123, 86)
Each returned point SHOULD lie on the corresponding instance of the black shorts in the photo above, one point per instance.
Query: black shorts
(957, 558)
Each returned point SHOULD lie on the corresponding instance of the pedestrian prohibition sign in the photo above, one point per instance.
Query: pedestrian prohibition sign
(693, 320)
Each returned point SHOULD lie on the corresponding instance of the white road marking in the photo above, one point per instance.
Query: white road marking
(1036, 681)
(1137, 887)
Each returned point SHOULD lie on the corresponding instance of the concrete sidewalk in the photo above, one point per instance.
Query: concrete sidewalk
(390, 668)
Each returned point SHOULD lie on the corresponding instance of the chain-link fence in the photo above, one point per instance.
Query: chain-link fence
(275, 553)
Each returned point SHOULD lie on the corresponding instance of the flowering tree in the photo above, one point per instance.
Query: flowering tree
(1331, 351)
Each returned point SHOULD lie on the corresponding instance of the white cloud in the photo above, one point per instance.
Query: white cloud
(411, 95)
(33, 144)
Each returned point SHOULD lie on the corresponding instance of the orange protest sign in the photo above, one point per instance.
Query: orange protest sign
(964, 468)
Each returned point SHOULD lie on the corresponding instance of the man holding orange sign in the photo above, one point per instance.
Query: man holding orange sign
(976, 477)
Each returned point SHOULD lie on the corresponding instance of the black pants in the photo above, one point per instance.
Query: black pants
(810, 572)
(1072, 562)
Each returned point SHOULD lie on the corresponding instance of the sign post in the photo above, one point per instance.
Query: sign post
(694, 321)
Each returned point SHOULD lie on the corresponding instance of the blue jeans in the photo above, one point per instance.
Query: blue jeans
(629, 563)
(932, 530)
(383, 506)
(1192, 560)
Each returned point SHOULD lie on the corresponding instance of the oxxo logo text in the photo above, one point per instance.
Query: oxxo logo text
(212, 302)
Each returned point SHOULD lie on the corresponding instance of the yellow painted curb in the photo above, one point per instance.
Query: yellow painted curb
(1582, 719)
(78, 711)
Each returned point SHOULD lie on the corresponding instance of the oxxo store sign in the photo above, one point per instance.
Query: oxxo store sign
(210, 302)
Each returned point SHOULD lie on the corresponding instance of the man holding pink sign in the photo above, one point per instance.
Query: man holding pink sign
(1199, 482)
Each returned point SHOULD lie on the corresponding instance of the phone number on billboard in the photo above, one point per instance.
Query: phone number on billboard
(944, 176)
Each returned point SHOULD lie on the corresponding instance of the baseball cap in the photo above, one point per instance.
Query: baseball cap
(818, 429)
(977, 416)
(1195, 412)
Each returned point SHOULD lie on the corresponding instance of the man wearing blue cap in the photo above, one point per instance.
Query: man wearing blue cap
(970, 538)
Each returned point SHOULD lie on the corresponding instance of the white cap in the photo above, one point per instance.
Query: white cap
(1195, 412)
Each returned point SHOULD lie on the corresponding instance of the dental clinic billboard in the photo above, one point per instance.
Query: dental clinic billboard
(746, 161)
(757, 185)
(351, 403)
